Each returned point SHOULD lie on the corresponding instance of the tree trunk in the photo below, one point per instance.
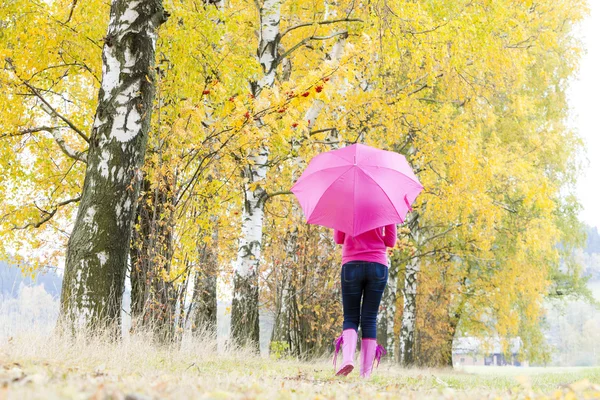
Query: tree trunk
(139, 273)
(204, 297)
(153, 296)
(447, 347)
(385, 325)
(284, 286)
(282, 329)
(455, 320)
(407, 334)
(244, 308)
(98, 247)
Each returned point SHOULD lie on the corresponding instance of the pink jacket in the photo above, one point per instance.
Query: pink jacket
(369, 246)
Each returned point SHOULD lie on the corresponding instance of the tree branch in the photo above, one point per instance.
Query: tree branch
(308, 39)
(52, 109)
(311, 133)
(47, 214)
(56, 113)
(30, 130)
(266, 196)
(76, 155)
(326, 22)
(279, 193)
(71, 12)
(450, 229)
(54, 131)
(504, 206)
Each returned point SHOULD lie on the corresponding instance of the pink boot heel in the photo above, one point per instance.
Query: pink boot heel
(369, 351)
(347, 342)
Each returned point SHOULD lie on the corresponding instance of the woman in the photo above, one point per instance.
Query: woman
(364, 276)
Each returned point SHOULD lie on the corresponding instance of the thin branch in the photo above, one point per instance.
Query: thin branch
(208, 158)
(47, 214)
(76, 155)
(308, 39)
(412, 32)
(71, 12)
(311, 133)
(450, 229)
(278, 193)
(326, 22)
(418, 89)
(31, 130)
(39, 96)
(437, 173)
(504, 206)
(54, 131)
(521, 44)
(56, 113)
(266, 196)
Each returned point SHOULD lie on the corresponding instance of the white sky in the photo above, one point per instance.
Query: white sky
(585, 114)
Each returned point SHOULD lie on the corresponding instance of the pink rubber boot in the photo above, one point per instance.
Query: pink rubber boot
(369, 351)
(347, 341)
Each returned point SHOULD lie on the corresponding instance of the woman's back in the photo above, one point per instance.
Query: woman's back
(369, 246)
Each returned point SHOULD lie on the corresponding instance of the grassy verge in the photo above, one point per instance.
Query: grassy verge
(37, 367)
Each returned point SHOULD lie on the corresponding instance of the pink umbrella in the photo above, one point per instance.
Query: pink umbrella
(357, 188)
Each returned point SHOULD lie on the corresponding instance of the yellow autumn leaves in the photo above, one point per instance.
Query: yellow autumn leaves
(471, 91)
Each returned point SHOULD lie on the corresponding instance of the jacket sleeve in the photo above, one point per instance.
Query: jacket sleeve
(390, 235)
(338, 236)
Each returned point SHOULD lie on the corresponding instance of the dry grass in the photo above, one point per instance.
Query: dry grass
(52, 367)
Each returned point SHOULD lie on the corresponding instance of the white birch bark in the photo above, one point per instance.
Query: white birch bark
(333, 58)
(407, 334)
(244, 307)
(98, 247)
(409, 314)
(385, 320)
(282, 330)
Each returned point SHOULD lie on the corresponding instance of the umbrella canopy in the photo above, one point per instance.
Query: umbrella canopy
(357, 188)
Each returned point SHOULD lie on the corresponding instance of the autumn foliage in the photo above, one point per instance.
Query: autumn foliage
(472, 92)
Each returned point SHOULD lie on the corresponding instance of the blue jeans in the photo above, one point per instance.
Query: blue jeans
(364, 281)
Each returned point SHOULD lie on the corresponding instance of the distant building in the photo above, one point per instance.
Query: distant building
(475, 351)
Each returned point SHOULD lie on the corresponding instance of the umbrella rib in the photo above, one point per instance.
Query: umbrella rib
(384, 192)
(321, 170)
(371, 156)
(395, 170)
(328, 187)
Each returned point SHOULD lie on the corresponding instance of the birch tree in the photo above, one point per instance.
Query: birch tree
(244, 308)
(407, 332)
(98, 247)
(286, 274)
